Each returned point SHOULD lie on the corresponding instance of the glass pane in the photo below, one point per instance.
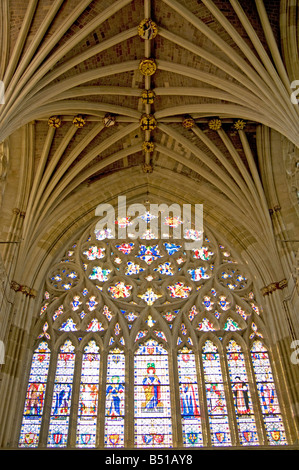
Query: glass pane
(115, 399)
(152, 408)
(242, 399)
(62, 394)
(267, 394)
(88, 397)
(217, 411)
(35, 397)
(190, 411)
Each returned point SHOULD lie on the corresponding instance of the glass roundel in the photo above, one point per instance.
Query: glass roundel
(150, 345)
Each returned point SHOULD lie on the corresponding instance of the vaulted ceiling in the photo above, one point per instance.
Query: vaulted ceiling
(82, 75)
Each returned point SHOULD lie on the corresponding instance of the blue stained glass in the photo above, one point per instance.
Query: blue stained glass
(216, 401)
(172, 248)
(88, 397)
(242, 399)
(35, 397)
(62, 394)
(149, 253)
(267, 394)
(115, 399)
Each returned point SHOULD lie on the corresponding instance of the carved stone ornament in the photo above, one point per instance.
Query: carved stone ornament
(148, 122)
(148, 146)
(147, 168)
(274, 286)
(79, 121)
(147, 67)
(148, 96)
(188, 122)
(147, 29)
(109, 120)
(24, 289)
(239, 125)
(215, 124)
(54, 121)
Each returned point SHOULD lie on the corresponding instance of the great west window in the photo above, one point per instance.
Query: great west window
(142, 343)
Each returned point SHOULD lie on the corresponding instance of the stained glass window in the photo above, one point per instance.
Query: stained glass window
(216, 400)
(62, 395)
(115, 399)
(130, 301)
(242, 397)
(267, 394)
(35, 396)
(189, 400)
(152, 408)
(88, 396)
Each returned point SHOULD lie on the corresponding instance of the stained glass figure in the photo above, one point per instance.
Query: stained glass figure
(95, 325)
(68, 325)
(152, 409)
(190, 410)
(115, 399)
(216, 401)
(75, 303)
(242, 398)
(88, 397)
(267, 394)
(35, 396)
(205, 325)
(62, 394)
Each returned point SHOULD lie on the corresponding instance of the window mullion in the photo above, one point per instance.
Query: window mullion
(175, 400)
(75, 400)
(102, 400)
